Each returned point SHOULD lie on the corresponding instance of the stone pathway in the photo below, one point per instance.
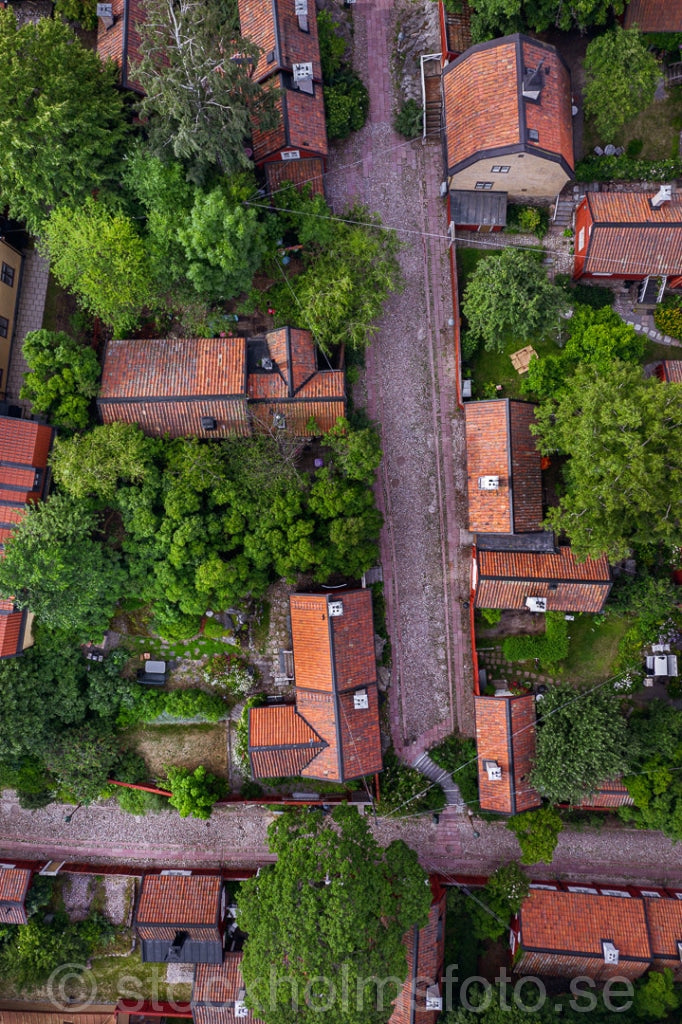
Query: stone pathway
(29, 318)
(444, 779)
(410, 388)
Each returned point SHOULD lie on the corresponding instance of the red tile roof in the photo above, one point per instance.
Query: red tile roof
(11, 630)
(628, 236)
(215, 990)
(274, 27)
(281, 741)
(505, 734)
(672, 370)
(654, 15)
(121, 42)
(306, 171)
(664, 917)
(425, 949)
(607, 795)
(333, 660)
(179, 900)
(567, 922)
(295, 389)
(506, 578)
(499, 443)
(485, 112)
(301, 127)
(57, 1017)
(14, 883)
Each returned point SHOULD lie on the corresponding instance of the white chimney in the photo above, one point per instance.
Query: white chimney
(664, 195)
(105, 12)
(488, 483)
(493, 769)
(611, 954)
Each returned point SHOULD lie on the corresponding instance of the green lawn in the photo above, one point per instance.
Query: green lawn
(593, 647)
(490, 368)
(121, 976)
(658, 127)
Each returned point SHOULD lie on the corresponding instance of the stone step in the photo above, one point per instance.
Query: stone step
(432, 771)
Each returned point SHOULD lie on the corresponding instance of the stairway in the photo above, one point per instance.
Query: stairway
(563, 217)
(430, 769)
(432, 110)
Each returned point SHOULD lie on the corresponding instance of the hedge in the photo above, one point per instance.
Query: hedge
(549, 648)
(624, 168)
(151, 704)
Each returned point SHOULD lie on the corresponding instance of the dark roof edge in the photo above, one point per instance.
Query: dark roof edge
(516, 37)
(513, 147)
(510, 488)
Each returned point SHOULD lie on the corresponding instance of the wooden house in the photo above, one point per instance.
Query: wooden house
(505, 746)
(179, 918)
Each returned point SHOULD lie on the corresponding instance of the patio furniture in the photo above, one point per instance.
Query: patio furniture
(522, 357)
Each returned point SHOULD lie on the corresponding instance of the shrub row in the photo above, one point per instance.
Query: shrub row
(624, 168)
(405, 791)
(457, 755)
(549, 649)
(150, 704)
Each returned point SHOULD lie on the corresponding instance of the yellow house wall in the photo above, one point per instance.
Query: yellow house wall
(8, 306)
(530, 177)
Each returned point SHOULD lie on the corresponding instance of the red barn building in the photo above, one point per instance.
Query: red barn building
(420, 1001)
(286, 33)
(14, 883)
(180, 918)
(332, 733)
(546, 581)
(505, 745)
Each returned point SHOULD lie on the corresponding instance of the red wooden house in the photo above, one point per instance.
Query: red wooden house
(14, 883)
(632, 236)
(420, 1001)
(332, 733)
(455, 30)
(664, 920)
(218, 993)
(24, 477)
(221, 387)
(180, 918)
(505, 745)
(286, 33)
(541, 581)
(566, 934)
(118, 39)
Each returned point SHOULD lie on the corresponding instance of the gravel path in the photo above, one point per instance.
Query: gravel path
(410, 389)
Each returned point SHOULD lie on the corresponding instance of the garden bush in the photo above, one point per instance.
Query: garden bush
(457, 755)
(172, 624)
(529, 219)
(151, 704)
(241, 746)
(405, 791)
(84, 12)
(491, 615)
(585, 294)
(634, 148)
(229, 672)
(214, 630)
(346, 105)
(624, 168)
(668, 316)
(549, 649)
(408, 122)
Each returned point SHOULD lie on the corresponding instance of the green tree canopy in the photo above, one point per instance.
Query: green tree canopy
(199, 102)
(493, 906)
(194, 792)
(492, 18)
(61, 118)
(62, 380)
(624, 475)
(100, 256)
(581, 743)
(620, 79)
(655, 741)
(82, 758)
(54, 566)
(538, 833)
(97, 463)
(334, 905)
(509, 294)
(655, 995)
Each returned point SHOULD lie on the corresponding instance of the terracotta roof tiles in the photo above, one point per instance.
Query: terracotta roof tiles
(281, 741)
(506, 578)
(654, 15)
(301, 127)
(179, 900)
(672, 370)
(11, 631)
(505, 734)
(216, 989)
(578, 922)
(425, 949)
(274, 27)
(306, 171)
(121, 42)
(628, 236)
(664, 917)
(500, 444)
(14, 883)
(486, 112)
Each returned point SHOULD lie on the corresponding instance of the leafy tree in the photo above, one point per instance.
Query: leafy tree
(53, 565)
(655, 741)
(61, 119)
(655, 995)
(538, 833)
(599, 336)
(509, 294)
(84, 12)
(199, 103)
(39, 947)
(581, 742)
(334, 901)
(356, 453)
(501, 897)
(97, 463)
(99, 255)
(223, 239)
(623, 474)
(493, 18)
(194, 792)
(82, 758)
(620, 79)
(348, 273)
(62, 379)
